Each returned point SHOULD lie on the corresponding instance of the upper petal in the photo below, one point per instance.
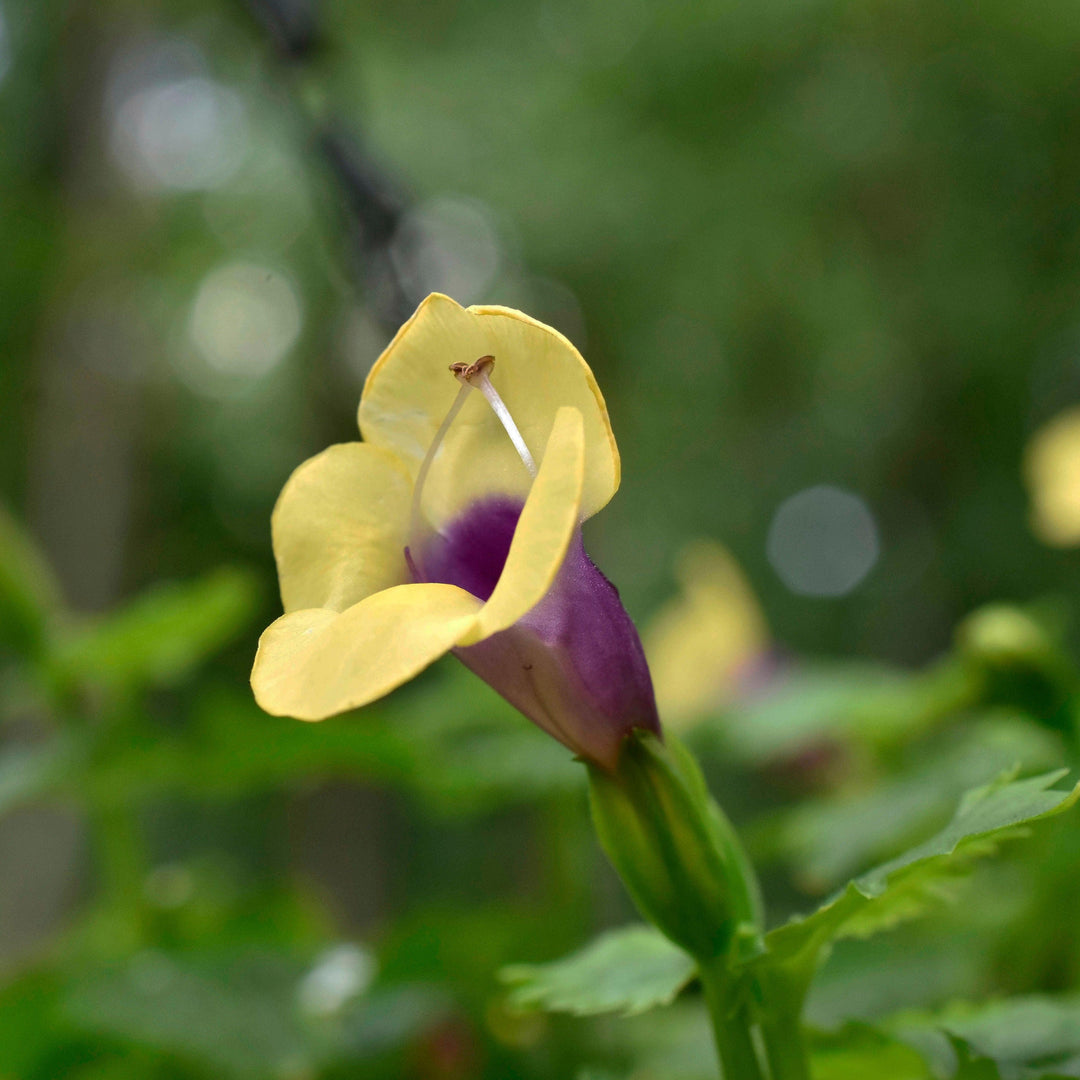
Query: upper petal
(339, 527)
(410, 389)
(313, 664)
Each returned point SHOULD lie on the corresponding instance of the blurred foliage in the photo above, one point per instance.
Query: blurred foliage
(800, 244)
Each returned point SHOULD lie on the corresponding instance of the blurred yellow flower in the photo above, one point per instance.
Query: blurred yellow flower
(1052, 471)
(703, 640)
(444, 530)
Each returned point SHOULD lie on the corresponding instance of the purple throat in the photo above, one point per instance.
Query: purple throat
(472, 550)
(574, 663)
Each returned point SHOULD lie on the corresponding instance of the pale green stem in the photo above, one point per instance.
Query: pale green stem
(784, 993)
(731, 1024)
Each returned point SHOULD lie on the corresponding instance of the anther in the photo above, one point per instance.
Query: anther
(465, 373)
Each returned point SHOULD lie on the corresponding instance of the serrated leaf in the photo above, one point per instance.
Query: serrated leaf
(830, 838)
(903, 887)
(162, 634)
(627, 971)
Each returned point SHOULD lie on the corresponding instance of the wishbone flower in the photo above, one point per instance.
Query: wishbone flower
(456, 526)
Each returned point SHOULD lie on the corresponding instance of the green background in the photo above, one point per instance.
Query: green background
(801, 243)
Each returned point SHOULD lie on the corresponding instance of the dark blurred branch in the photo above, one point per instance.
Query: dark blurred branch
(376, 205)
(291, 24)
(374, 202)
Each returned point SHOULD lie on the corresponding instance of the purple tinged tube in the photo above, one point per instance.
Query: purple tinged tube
(574, 664)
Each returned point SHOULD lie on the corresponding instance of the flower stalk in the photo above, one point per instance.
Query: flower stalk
(732, 1027)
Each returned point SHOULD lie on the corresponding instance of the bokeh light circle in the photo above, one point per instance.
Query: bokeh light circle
(245, 319)
(823, 541)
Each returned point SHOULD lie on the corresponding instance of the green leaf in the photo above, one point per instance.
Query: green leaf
(250, 1014)
(857, 1051)
(163, 634)
(830, 838)
(1027, 1036)
(27, 772)
(628, 971)
(29, 594)
(862, 702)
(903, 887)
(971, 1066)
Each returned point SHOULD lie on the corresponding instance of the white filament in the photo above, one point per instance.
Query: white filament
(478, 380)
(498, 406)
(429, 457)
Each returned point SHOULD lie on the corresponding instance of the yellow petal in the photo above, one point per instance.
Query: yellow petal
(547, 522)
(410, 389)
(1052, 469)
(313, 664)
(339, 527)
(698, 643)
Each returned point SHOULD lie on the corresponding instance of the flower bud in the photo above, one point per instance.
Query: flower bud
(675, 851)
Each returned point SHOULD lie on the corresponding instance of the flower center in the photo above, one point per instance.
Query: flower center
(474, 376)
(470, 552)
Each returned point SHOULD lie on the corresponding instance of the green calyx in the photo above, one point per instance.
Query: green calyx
(675, 851)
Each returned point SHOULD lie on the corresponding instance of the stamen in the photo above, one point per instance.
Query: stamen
(476, 375)
(415, 517)
(472, 377)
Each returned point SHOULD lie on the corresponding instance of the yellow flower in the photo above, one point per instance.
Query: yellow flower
(455, 525)
(1052, 470)
(703, 642)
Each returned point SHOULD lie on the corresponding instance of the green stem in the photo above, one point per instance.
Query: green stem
(784, 1049)
(731, 1025)
(781, 1026)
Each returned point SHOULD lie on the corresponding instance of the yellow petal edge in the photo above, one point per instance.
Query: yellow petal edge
(313, 664)
(339, 527)
(537, 370)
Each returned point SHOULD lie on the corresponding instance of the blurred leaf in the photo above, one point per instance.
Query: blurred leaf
(238, 1017)
(29, 1030)
(1022, 1037)
(629, 971)
(921, 965)
(830, 838)
(864, 702)
(674, 1042)
(242, 1014)
(970, 1066)
(163, 634)
(857, 1052)
(29, 594)
(903, 887)
(458, 751)
(26, 772)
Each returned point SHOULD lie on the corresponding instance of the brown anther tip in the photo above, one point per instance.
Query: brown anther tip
(465, 372)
